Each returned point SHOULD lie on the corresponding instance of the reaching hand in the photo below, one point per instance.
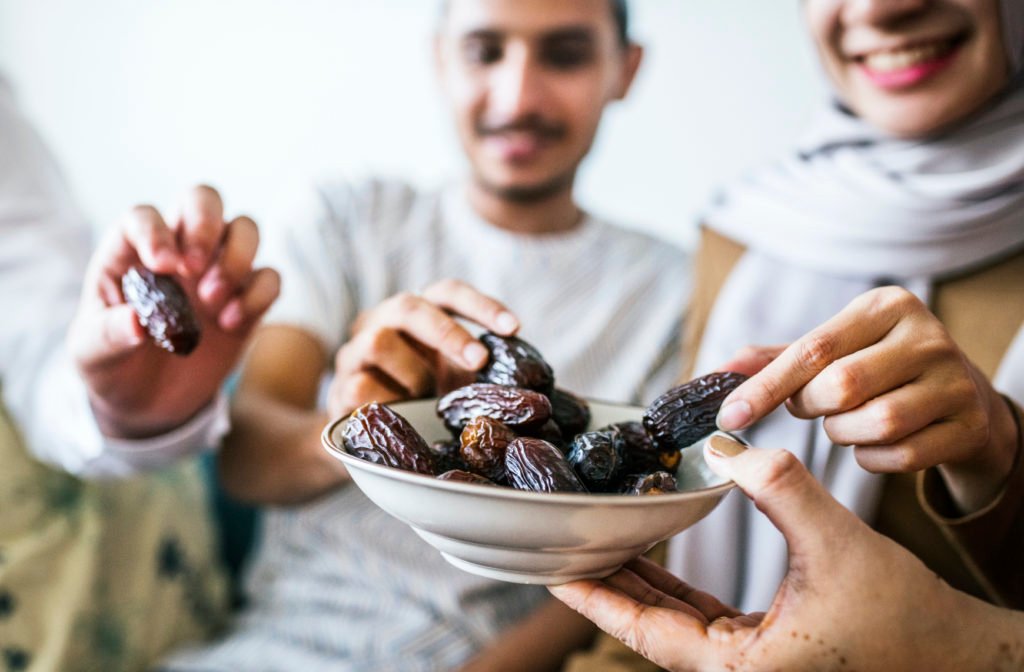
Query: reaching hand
(411, 346)
(851, 600)
(136, 388)
(888, 378)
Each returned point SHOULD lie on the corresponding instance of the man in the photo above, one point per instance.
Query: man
(81, 560)
(375, 278)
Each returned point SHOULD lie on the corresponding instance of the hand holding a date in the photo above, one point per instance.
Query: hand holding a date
(165, 312)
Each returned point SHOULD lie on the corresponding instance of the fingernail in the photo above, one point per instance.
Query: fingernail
(475, 354)
(734, 415)
(722, 446)
(231, 317)
(507, 323)
(166, 259)
(213, 289)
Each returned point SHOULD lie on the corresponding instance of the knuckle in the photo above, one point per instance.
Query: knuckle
(846, 385)
(906, 459)
(452, 336)
(780, 468)
(818, 351)
(405, 302)
(887, 422)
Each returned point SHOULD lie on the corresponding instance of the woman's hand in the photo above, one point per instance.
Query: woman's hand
(888, 379)
(851, 600)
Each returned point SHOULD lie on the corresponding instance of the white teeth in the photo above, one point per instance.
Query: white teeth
(887, 61)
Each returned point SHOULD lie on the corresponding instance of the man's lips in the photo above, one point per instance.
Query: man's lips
(518, 146)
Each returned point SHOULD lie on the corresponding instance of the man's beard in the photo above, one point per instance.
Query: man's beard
(528, 194)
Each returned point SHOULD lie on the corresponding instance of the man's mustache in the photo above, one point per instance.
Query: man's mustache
(533, 124)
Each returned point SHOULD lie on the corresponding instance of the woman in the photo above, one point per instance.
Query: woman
(914, 177)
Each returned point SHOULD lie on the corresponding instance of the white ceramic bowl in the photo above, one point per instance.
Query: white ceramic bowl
(531, 537)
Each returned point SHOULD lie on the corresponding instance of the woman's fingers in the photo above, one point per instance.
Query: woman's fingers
(865, 321)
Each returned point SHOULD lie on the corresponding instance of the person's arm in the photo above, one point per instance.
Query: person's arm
(851, 599)
(539, 643)
(273, 453)
(410, 346)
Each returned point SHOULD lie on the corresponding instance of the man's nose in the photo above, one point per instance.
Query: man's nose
(517, 85)
(882, 12)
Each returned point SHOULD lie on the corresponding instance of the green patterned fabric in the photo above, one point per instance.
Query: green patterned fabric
(102, 577)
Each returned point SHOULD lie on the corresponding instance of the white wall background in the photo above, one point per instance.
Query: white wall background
(141, 98)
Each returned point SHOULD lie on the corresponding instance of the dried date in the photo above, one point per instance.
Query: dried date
(597, 457)
(570, 413)
(482, 446)
(463, 476)
(515, 363)
(685, 414)
(376, 433)
(534, 464)
(641, 457)
(163, 309)
(658, 483)
(447, 456)
(522, 410)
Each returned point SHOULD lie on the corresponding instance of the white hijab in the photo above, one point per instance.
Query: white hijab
(849, 210)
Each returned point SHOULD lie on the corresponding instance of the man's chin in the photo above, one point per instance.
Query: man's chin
(525, 193)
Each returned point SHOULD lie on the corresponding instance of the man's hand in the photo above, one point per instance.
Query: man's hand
(136, 388)
(888, 378)
(412, 346)
(851, 600)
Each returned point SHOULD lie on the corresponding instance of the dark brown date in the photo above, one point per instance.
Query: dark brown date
(515, 363)
(570, 413)
(658, 483)
(483, 443)
(163, 309)
(463, 476)
(550, 432)
(378, 434)
(522, 410)
(640, 455)
(447, 456)
(597, 457)
(686, 414)
(533, 464)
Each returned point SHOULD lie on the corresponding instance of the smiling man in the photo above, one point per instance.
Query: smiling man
(379, 281)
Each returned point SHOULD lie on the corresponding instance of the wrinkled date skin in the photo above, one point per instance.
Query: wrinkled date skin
(522, 410)
(447, 456)
(463, 476)
(534, 464)
(597, 458)
(163, 309)
(658, 483)
(483, 443)
(377, 434)
(640, 457)
(570, 413)
(515, 363)
(685, 414)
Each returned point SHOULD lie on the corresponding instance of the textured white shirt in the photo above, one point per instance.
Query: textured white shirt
(44, 249)
(339, 584)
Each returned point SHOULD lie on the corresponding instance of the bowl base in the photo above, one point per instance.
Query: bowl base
(525, 577)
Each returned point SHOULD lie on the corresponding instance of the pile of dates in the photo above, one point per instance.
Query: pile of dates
(514, 428)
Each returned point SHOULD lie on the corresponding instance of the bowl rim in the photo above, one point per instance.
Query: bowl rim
(565, 498)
